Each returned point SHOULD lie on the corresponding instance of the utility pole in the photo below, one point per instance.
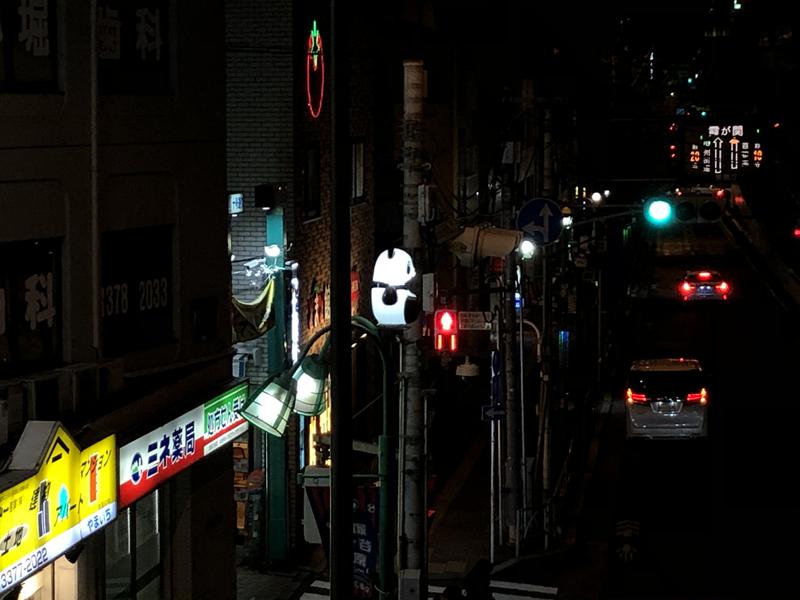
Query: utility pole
(413, 547)
(341, 540)
(509, 344)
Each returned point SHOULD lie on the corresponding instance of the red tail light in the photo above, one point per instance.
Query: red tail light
(635, 398)
(704, 275)
(724, 287)
(685, 288)
(701, 397)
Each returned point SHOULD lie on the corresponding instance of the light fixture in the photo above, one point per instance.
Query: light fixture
(527, 248)
(484, 241)
(310, 376)
(596, 197)
(273, 250)
(467, 369)
(394, 305)
(269, 408)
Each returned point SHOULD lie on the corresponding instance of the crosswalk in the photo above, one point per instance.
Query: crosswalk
(501, 590)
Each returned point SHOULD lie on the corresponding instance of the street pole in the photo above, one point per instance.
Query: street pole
(341, 539)
(413, 469)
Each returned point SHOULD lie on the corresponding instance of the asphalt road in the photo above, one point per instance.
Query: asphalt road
(715, 518)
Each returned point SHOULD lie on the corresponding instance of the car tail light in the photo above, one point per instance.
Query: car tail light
(685, 288)
(704, 275)
(701, 397)
(635, 398)
(723, 287)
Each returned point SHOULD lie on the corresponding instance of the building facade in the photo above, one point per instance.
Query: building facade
(115, 301)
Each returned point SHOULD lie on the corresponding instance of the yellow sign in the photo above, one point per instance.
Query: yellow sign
(72, 495)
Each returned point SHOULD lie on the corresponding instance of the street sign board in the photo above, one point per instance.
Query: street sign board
(474, 320)
(540, 218)
(493, 412)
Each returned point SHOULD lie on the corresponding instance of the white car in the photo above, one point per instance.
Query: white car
(666, 398)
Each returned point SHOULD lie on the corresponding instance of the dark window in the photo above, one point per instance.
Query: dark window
(28, 46)
(666, 383)
(133, 550)
(312, 208)
(136, 299)
(30, 305)
(357, 178)
(133, 47)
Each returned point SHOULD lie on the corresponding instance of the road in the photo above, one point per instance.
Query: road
(715, 518)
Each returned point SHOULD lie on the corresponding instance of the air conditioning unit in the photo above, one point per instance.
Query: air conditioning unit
(111, 375)
(80, 388)
(41, 397)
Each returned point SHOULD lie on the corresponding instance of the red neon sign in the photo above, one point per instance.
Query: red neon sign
(315, 72)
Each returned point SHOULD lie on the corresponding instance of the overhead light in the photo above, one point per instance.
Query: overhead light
(271, 405)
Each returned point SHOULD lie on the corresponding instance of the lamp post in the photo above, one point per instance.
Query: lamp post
(301, 389)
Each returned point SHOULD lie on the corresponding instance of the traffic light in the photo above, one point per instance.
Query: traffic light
(700, 206)
(710, 207)
(659, 211)
(445, 330)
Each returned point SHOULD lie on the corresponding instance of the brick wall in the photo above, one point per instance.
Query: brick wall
(259, 130)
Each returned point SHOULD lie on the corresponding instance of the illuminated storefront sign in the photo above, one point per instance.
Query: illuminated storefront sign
(72, 495)
(153, 458)
(315, 71)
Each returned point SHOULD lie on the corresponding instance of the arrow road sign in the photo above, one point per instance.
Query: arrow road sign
(493, 412)
(541, 219)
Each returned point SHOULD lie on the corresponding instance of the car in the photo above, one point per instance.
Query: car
(704, 285)
(666, 398)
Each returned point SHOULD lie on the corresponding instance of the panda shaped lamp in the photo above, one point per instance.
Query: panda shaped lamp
(393, 304)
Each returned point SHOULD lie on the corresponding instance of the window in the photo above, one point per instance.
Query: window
(357, 179)
(312, 208)
(28, 46)
(133, 47)
(667, 383)
(133, 551)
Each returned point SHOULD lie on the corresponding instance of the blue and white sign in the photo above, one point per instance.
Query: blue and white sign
(540, 218)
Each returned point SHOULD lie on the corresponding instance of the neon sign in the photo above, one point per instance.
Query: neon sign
(315, 72)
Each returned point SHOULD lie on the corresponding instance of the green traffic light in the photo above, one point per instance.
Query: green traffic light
(658, 211)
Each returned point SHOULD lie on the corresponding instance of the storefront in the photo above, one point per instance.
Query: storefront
(144, 519)
(55, 495)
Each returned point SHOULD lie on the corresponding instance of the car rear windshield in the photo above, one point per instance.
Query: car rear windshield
(671, 382)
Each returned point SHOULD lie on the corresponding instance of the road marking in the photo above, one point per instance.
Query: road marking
(501, 590)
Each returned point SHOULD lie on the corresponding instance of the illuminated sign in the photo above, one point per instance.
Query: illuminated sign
(72, 495)
(150, 460)
(315, 71)
(235, 203)
(724, 150)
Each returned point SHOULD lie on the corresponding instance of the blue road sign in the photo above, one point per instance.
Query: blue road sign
(540, 218)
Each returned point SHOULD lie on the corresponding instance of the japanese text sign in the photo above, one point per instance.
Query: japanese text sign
(72, 495)
(151, 459)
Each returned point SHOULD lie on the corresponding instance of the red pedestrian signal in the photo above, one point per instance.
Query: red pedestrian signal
(445, 330)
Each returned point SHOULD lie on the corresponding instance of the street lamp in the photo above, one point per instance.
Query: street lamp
(310, 376)
(301, 388)
(269, 408)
